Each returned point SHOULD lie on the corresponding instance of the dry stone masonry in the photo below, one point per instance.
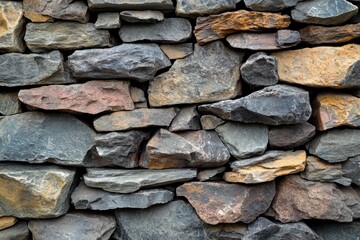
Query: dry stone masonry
(179, 120)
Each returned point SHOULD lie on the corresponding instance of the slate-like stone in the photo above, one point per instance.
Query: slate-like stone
(210, 74)
(291, 136)
(260, 70)
(128, 181)
(210, 122)
(274, 105)
(209, 174)
(147, 16)
(331, 230)
(9, 103)
(6, 222)
(228, 203)
(109, 20)
(137, 95)
(130, 61)
(335, 145)
(177, 51)
(18, 232)
(270, 6)
(92, 97)
(219, 26)
(193, 8)
(175, 220)
(36, 69)
(323, 12)
(351, 169)
(74, 225)
(34, 191)
(84, 197)
(202, 149)
(187, 119)
(12, 25)
(162, 5)
(37, 137)
(138, 118)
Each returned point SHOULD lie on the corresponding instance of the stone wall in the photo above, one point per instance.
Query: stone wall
(177, 120)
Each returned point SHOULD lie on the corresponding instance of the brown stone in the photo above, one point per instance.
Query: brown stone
(37, 18)
(219, 26)
(6, 222)
(228, 203)
(332, 110)
(91, 97)
(210, 122)
(177, 51)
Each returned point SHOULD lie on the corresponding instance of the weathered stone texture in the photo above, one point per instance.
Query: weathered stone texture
(193, 8)
(9, 103)
(163, 5)
(146, 16)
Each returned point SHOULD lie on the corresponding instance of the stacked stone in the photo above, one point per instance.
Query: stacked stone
(154, 119)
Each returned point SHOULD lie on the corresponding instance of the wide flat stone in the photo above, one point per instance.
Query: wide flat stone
(85, 197)
(18, 232)
(193, 8)
(177, 51)
(92, 97)
(138, 118)
(210, 74)
(37, 137)
(146, 16)
(210, 122)
(36, 69)
(228, 203)
(185, 149)
(163, 5)
(6, 222)
(331, 230)
(45, 188)
(9, 103)
(130, 61)
(108, 20)
(74, 225)
(219, 26)
(187, 119)
(270, 5)
(128, 181)
(274, 105)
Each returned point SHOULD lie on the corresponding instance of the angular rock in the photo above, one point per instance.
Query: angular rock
(335, 145)
(331, 230)
(215, 27)
(244, 140)
(186, 8)
(175, 220)
(267, 167)
(131, 61)
(137, 95)
(187, 119)
(274, 105)
(332, 110)
(142, 16)
(297, 199)
(163, 5)
(227, 231)
(210, 122)
(260, 70)
(334, 67)
(291, 136)
(128, 181)
(92, 97)
(202, 149)
(287, 38)
(109, 20)
(351, 169)
(84, 197)
(323, 12)
(270, 6)
(210, 74)
(18, 232)
(209, 174)
(11, 30)
(228, 203)
(9, 103)
(36, 69)
(37, 137)
(45, 188)
(74, 225)
(138, 118)
(6, 222)
(177, 51)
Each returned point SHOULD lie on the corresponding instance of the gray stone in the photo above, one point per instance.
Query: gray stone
(131, 61)
(287, 38)
(9, 103)
(274, 105)
(260, 70)
(187, 119)
(270, 5)
(84, 197)
(128, 181)
(323, 12)
(330, 230)
(162, 5)
(142, 16)
(202, 149)
(33, 69)
(74, 225)
(209, 174)
(227, 231)
(170, 30)
(137, 95)
(351, 169)
(109, 20)
(210, 122)
(244, 140)
(19, 231)
(37, 137)
(193, 8)
(177, 51)
(42, 37)
(335, 145)
(211, 73)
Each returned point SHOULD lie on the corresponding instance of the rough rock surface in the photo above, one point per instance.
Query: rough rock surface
(210, 122)
(187, 119)
(209, 174)
(163, 5)
(9, 103)
(193, 8)
(109, 20)
(146, 16)
(331, 230)
(177, 51)
(210, 74)
(270, 5)
(18, 232)
(351, 169)
(6, 222)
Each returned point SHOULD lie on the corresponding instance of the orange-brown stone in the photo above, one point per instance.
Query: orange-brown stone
(7, 221)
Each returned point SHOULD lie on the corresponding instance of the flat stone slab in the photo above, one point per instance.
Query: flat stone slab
(270, 5)
(193, 8)
(163, 5)
(146, 16)
(109, 20)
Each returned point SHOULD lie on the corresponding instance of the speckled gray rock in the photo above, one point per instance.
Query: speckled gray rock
(84, 197)
(19, 231)
(187, 119)
(351, 169)
(330, 230)
(163, 5)
(131, 61)
(142, 16)
(109, 20)
(210, 122)
(193, 8)
(274, 105)
(270, 5)
(37, 69)
(9, 103)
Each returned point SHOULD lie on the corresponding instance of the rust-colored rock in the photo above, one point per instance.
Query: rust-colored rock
(219, 26)
(91, 97)
(332, 110)
(228, 203)
(6, 222)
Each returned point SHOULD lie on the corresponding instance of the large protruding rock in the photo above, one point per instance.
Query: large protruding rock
(118, 5)
(131, 61)
(9, 103)
(34, 191)
(270, 5)
(210, 74)
(193, 8)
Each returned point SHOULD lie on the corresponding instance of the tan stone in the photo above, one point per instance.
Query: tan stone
(177, 51)
(37, 18)
(332, 110)
(6, 222)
